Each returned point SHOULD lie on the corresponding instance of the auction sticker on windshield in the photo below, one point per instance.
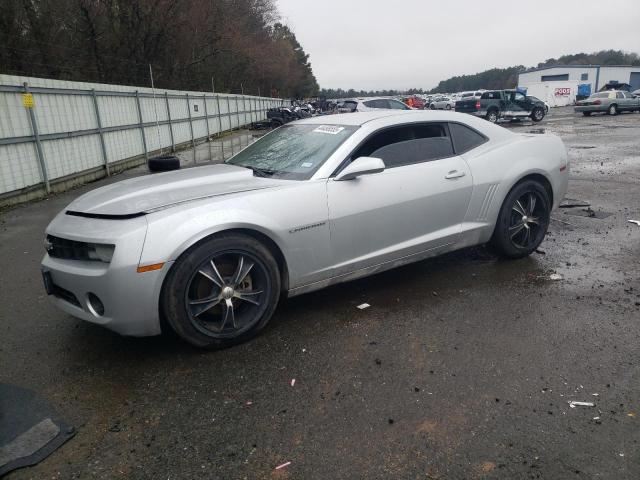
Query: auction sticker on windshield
(330, 129)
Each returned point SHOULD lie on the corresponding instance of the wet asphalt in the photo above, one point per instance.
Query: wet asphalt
(461, 368)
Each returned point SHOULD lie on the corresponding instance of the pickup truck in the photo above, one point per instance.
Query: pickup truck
(503, 104)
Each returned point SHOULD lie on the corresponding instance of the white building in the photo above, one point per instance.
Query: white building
(559, 85)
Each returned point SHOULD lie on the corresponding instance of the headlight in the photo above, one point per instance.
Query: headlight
(100, 251)
(73, 250)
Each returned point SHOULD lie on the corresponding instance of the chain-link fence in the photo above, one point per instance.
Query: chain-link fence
(54, 133)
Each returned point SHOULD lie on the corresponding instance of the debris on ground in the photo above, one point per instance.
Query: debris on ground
(293, 382)
(363, 306)
(637, 222)
(571, 203)
(286, 464)
(563, 222)
(556, 276)
(589, 213)
(574, 404)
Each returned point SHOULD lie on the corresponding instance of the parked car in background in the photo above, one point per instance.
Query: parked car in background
(281, 115)
(473, 94)
(368, 104)
(414, 101)
(442, 103)
(636, 93)
(611, 102)
(503, 104)
(347, 106)
(208, 252)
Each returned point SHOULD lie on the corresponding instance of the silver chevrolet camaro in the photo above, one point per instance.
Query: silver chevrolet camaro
(209, 251)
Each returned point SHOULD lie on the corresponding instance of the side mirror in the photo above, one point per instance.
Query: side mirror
(360, 166)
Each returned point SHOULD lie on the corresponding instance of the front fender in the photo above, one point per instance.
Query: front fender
(294, 218)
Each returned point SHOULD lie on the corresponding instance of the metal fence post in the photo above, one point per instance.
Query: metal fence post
(193, 143)
(220, 124)
(206, 117)
(238, 111)
(100, 132)
(166, 99)
(244, 110)
(230, 123)
(144, 137)
(39, 152)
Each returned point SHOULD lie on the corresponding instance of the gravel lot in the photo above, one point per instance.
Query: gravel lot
(462, 367)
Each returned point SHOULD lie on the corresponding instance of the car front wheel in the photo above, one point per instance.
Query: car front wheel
(613, 110)
(523, 220)
(222, 291)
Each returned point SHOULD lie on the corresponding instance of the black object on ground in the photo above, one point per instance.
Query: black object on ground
(164, 163)
(30, 429)
(570, 203)
(589, 213)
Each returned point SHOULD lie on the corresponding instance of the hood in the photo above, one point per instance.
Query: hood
(152, 192)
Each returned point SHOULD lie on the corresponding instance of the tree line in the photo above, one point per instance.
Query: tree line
(500, 78)
(495, 78)
(229, 45)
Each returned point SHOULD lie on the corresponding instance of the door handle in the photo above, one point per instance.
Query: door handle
(454, 174)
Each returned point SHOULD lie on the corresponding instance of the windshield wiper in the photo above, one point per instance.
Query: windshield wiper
(260, 172)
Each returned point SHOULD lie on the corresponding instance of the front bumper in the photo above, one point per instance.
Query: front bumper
(130, 299)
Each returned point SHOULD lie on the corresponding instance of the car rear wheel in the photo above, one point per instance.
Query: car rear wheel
(221, 292)
(492, 116)
(586, 114)
(523, 220)
(537, 115)
(448, 107)
(613, 110)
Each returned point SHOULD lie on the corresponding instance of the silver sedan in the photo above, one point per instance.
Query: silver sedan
(208, 252)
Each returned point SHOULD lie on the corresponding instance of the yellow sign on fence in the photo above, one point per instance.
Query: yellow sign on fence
(27, 100)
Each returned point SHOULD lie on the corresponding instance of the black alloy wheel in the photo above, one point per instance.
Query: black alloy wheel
(523, 220)
(222, 291)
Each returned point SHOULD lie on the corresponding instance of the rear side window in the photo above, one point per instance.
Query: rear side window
(376, 103)
(465, 138)
(395, 104)
(408, 144)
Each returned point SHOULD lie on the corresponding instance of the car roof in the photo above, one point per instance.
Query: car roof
(360, 118)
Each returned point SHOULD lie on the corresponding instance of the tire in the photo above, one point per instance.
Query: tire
(537, 114)
(586, 114)
(514, 236)
(163, 163)
(240, 281)
(613, 109)
(432, 107)
(275, 123)
(448, 107)
(492, 116)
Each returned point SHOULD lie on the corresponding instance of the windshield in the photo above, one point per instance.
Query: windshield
(292, 152)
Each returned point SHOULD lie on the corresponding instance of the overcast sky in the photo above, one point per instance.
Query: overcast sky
(377, 44)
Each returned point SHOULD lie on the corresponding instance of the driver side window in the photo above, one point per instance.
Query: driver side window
(408, 144)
